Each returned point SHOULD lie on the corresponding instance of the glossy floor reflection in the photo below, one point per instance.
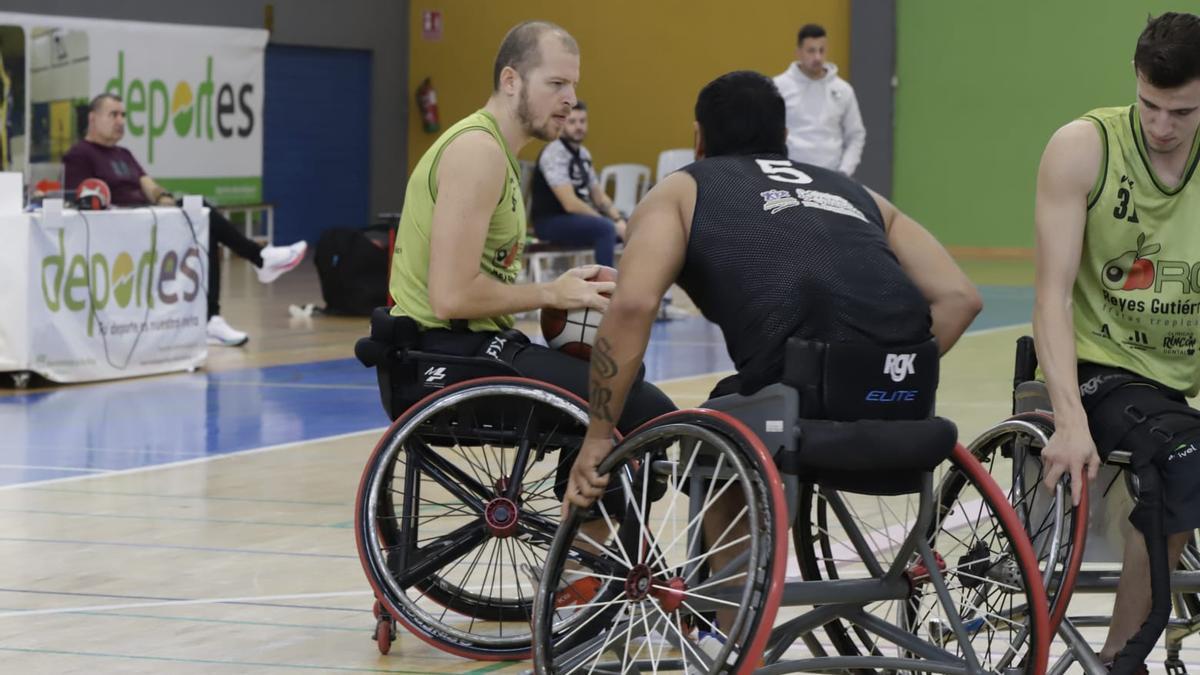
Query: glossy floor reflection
(204, 522)
(98, 428)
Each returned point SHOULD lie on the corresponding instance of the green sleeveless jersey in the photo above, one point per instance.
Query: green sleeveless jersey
(502, 249)
(1137, 295)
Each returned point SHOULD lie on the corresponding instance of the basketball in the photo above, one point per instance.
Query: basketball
(573, 332)
(93, 195)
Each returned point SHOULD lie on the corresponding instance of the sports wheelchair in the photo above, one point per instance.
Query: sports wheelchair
(457, 504)
(907, 563)
(1067, 537)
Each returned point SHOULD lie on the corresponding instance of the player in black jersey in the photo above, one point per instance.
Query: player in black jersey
(768, 249)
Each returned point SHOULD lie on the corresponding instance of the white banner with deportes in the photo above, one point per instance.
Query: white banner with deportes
(193, 98)
(106, 294)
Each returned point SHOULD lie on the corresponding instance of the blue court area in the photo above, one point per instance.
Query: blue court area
(90, 429)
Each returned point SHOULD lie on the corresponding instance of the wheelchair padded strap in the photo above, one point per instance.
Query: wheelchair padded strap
(870, 457)
(873, 445)
(857, 381)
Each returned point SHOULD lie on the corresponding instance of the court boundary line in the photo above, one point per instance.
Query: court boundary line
(173, 603)
(194, 460)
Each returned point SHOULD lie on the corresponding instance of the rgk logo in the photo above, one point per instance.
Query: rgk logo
(435, 374)
(899, 366)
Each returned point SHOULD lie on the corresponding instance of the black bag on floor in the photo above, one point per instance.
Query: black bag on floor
(352, 264)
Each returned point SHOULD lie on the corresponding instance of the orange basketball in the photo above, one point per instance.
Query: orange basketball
(573, 332)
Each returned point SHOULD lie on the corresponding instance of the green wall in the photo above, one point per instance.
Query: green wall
(982, 86)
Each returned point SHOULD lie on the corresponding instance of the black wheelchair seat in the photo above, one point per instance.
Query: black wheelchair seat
(867, 456)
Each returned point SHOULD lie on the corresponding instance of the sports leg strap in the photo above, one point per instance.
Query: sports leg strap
(1150, 442)
(504, 346)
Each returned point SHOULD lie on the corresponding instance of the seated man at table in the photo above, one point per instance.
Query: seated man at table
(99, 156)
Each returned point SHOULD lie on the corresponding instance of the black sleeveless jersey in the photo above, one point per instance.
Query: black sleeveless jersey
(780, 249)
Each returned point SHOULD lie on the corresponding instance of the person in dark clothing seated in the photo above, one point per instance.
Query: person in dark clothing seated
(99, 156)
(569, 204)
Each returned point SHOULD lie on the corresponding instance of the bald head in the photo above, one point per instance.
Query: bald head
(521, 49)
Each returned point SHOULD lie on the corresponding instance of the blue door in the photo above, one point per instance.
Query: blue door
(316, 150)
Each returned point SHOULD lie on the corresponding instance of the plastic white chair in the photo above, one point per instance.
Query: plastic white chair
(630, 184)
(670, 160)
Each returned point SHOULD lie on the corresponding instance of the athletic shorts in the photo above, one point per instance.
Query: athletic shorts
(1110, 423)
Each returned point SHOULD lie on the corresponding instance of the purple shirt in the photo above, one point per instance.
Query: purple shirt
(113, 165)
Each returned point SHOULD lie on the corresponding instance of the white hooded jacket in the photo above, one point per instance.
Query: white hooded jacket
(824, 125)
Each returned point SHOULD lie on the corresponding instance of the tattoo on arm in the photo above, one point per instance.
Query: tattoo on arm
(603, 364)
(603, 369)
(599, 404)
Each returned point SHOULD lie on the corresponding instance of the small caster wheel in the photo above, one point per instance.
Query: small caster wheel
(385, 634)
(385, 628)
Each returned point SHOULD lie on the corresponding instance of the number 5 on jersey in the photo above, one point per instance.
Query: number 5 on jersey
(783, 171)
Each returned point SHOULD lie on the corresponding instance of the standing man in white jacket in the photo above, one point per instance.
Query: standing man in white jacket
(824, 125)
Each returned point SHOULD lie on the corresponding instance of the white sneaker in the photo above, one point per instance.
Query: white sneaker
(221, 333)
(578, 592)
(669, 312)
(712, 644)
(280, 259)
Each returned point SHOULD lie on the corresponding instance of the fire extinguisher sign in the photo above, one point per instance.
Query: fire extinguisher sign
(431, 24)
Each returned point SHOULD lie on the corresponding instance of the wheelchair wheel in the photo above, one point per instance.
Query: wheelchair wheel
(1011, 453)
(983, 559)
(670, 561)
(456, 509)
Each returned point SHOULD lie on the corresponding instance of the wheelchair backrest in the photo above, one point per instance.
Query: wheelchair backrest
(406, 374)
(1032, 396)
(857, 381)
(853, 417)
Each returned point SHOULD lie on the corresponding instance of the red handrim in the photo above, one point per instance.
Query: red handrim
(464, 652)
(1040, 611)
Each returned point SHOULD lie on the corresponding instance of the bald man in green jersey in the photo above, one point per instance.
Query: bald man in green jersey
(462, 230)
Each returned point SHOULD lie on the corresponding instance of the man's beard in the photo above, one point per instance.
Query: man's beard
(525, 117)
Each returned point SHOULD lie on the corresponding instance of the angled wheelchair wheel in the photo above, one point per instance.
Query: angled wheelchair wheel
(689, 573)
(456, 510)
(994, 610)
(1011, 453)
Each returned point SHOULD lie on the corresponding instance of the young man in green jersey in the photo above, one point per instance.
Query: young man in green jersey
(1116, 317)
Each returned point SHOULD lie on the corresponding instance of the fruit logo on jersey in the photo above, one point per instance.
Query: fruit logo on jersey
(507, 254)
(1131, 270)
(778, 200)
